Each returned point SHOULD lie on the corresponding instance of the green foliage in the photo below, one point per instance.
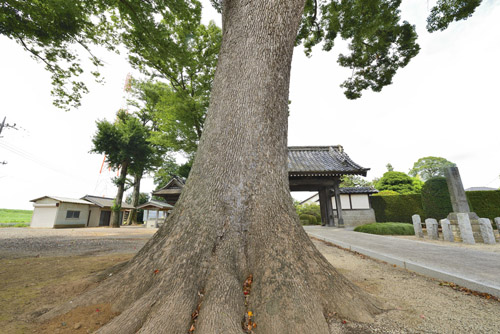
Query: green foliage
(436, 198)
(386, 229)
(389, 167)
(485, 203)
(169, 169)
(160, 36)
(124, 141)
(397, 208)
(354, 181)
(447, 11)
(307, 211)
(15, 216)
(430, 167)
(399, 182)
(56, 31)
(379, 42)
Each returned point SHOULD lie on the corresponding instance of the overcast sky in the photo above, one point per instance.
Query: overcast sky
(445, 103)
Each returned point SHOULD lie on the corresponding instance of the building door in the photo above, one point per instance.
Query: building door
(104, 218)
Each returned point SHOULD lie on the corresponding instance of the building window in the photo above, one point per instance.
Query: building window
(72, 214)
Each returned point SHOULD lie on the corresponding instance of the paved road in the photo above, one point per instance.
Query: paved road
(474, 269)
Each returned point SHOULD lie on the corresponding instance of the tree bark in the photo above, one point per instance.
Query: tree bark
(116, 209)
(136, 193)
(235, 218)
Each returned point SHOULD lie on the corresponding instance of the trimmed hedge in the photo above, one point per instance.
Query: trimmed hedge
(436, 198)
(485, 203)
(386, 229)
(400, 208)
(397, 208)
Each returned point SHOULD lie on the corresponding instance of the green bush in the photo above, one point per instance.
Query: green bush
(436, 198)
(309, 219)
(397, 208)
(386, 229)
(309, 209)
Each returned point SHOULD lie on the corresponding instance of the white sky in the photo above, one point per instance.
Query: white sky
(444, 103)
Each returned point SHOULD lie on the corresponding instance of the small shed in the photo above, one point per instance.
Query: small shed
(59, 212)
(100, 210)
(155, 212)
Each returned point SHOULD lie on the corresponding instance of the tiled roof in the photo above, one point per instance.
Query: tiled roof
(105, 202)
(156, 204)
(321, 159)
(358, 190)
(63, 200)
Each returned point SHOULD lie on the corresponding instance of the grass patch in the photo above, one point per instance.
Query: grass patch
(386, 229)
(14, 225)
(15, 216)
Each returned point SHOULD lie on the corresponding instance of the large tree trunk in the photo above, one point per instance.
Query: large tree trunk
(117, 205)
(235, 218)
(136, 193)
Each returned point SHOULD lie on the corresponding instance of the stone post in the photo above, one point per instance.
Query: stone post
(465, 228)
(487, 231)
(456, 189)
(447, 232)
(417, 226)
(460, 205)
(432, 228)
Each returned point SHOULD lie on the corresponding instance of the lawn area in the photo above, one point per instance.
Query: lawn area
(15, 216)
(387, 228)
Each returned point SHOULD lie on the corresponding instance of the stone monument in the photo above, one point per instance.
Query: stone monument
(432, 228)
(460, 206)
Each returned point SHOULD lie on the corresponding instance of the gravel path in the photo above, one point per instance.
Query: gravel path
(23, 242)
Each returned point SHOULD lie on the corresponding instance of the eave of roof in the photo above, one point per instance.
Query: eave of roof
(64, 200)
(321, 161)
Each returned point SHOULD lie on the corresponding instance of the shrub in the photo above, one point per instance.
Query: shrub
(386, 229)
(308, 219)
(397, 208)
(309, 209)
(436, 198)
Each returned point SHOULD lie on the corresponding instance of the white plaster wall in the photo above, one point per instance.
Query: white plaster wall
(44, 217)
(360, 201)
(95, 215)
(344, 202)
(62, 221)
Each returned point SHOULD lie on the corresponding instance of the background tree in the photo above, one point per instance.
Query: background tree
(430, 167)
(125, 144)
(400, 183)
(143, 198)
(235, 221)
(389, 167)
(354, 181)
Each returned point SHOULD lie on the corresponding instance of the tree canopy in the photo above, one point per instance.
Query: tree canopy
(429, 167)
(160, 33)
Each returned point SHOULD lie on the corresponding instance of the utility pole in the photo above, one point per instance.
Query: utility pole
(2, 125)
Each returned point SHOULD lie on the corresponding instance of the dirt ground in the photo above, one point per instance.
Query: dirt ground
(415, 304)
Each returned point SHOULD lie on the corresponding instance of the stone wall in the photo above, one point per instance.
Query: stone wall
(357, 217)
